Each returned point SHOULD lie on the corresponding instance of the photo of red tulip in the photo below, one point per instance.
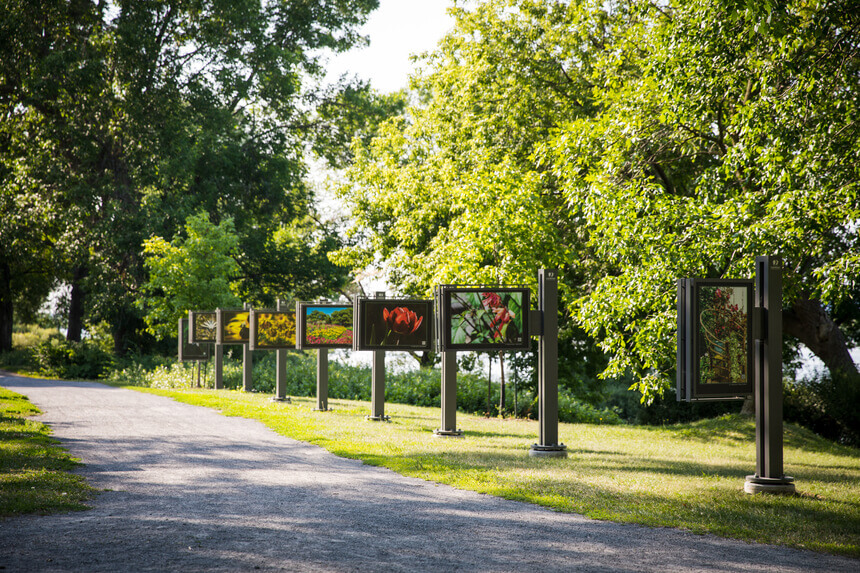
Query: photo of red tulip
(394, 324)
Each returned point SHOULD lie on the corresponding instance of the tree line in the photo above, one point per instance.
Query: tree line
(628, 144)
(121, 122)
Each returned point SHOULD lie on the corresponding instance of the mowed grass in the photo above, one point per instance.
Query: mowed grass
(34, 470)
(688, 476)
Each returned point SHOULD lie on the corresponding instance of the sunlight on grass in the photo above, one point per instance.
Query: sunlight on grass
(34, 470)
(687, 476)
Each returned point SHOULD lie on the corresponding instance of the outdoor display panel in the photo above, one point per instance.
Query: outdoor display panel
(715, 354)
(393, 324)
(189, 351)
(233, 326)
(483, 318)
(272, 329)
(324, 325)
(203, 326)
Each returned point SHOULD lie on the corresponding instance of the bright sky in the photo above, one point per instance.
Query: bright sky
(397, 30)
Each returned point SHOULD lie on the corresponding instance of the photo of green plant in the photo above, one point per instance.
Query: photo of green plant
(723, 316)
(393, 324)
(205, 327)
(274, 329)
(235, 325)
(328, 326)
(487, 318)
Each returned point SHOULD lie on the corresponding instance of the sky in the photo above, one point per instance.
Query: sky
(397, 30)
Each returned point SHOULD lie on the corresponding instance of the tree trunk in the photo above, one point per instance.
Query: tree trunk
(76, 305)
(7, 309)
(808, 321)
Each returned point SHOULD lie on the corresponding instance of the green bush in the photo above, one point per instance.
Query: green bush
(69, 360)
(827, 405)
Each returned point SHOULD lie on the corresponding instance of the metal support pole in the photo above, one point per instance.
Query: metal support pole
(769, 476)
(219, 366)
(448, 427)
(281, 369)
(322, 380)
(247, 364)
(549, 445)
(377, 384)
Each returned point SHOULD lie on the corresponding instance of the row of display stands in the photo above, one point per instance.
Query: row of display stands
(459, 318)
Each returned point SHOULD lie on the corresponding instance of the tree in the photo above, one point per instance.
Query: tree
(190, 273)
(451, 192)
(126, 118)
(725, 130)
(628, 143)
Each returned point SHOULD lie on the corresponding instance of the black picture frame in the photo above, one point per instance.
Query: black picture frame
(314, 331)
(715, 339)
(188, 351)
(394, 324)
(483, 318)
(203, 326)
(233, 326)
(272, 329)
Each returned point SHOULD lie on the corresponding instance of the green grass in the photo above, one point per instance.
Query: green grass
(34, 471)
(688, 476)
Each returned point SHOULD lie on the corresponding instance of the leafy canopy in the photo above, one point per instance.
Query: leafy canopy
(191, 273)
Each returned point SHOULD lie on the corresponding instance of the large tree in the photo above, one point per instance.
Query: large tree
(126, 117)
(451, 192)
(725, 130)
(629, 143)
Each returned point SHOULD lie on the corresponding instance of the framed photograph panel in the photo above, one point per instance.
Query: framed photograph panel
(715, 352)
(484, 318)
(203, 326)
(324, 325)
(233, 326)
(272, 329)
(189, 351)
(394, 324)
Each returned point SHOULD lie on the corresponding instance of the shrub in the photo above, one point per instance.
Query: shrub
(825, 404)
(69, 360)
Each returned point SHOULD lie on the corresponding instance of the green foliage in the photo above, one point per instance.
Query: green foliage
(722, 134)
(68, 360)
(119, 121)
(190, 273)
(827, 405)
(627, 144)
(34, 471)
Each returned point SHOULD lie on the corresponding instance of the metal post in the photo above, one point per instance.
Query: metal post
(769, 476)
(448, 427)
(322, 380)
(219, 366)
(247, 364)
(377, 384)
(549, 445)
(281, 368)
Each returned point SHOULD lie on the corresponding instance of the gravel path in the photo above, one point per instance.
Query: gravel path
(191, 490)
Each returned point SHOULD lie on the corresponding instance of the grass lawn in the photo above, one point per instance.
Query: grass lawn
(687, 476)
(34, 470)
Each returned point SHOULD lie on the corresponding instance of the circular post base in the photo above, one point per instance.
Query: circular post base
(382, 418)
(322, 409)
(755, 484)
(538, 451)
(286, 400)
(440, 433)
